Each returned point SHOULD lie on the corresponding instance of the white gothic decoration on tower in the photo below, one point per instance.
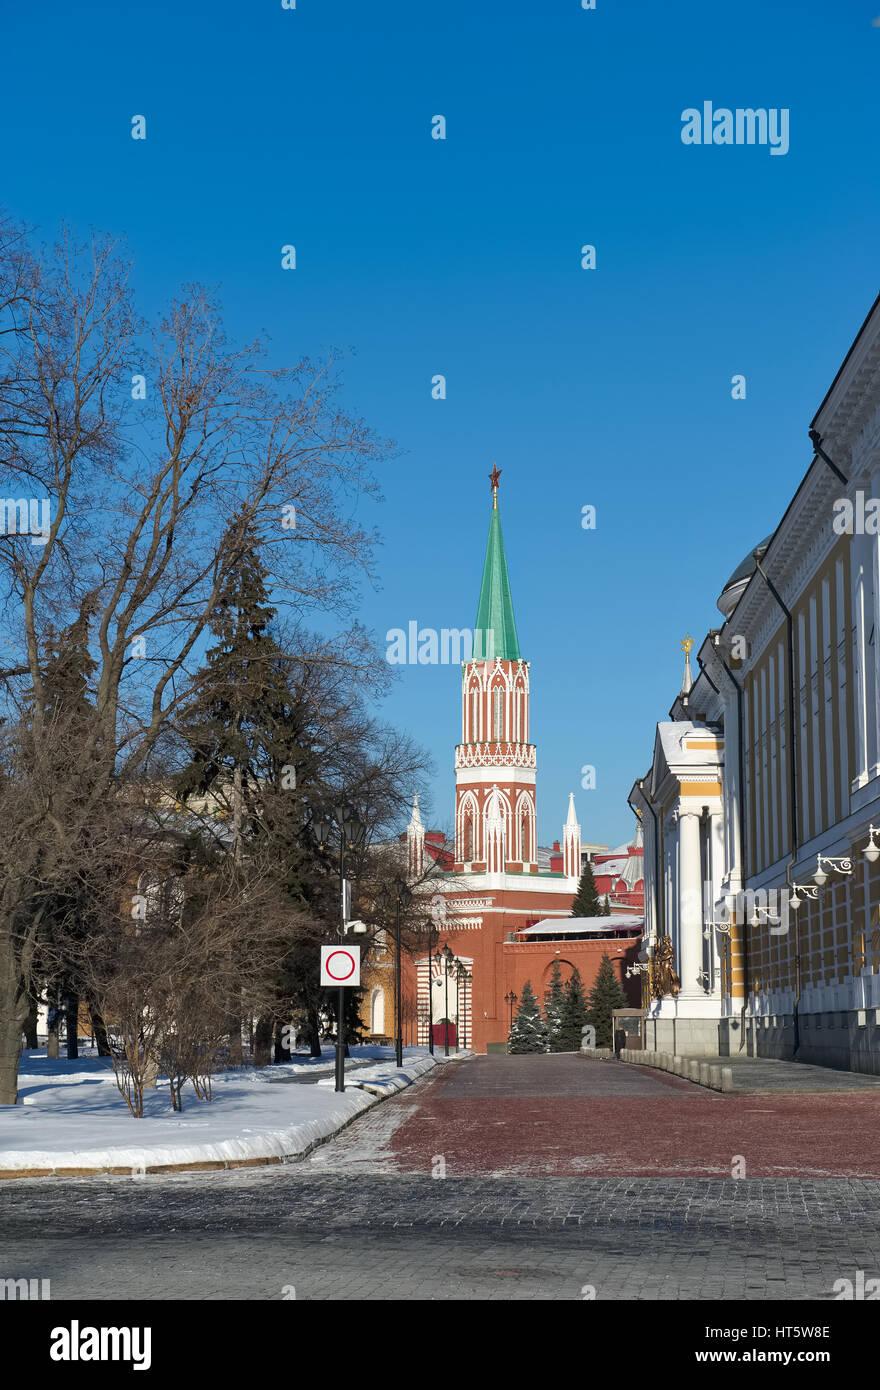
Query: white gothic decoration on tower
(571, 842)
(415, 843)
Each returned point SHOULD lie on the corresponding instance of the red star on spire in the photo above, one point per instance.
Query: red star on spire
(494, 477)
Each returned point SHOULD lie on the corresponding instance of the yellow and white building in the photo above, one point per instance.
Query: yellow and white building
(761, 875)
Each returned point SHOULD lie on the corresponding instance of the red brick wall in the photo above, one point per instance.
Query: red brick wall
(500, 966)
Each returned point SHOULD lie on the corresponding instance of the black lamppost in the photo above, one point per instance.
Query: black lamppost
(398, 893)
(351, 833)
(510, 999)
(448, 956)
(436, 918)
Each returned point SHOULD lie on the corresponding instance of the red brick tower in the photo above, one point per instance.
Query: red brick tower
(495, 765)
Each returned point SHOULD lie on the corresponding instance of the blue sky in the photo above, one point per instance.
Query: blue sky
(462, 257)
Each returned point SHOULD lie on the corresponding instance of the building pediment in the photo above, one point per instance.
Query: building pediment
(684, 751)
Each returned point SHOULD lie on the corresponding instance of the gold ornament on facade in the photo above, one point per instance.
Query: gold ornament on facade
(663, 977)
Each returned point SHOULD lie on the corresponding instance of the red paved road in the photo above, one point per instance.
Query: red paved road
(563, 1115)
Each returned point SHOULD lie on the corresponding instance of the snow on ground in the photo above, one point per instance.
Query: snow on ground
(71, 1114)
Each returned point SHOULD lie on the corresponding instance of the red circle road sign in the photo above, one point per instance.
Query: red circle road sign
(340, 965)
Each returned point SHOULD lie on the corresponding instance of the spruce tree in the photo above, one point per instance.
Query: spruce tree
(554, 1002)
(586, 902)
(529, 1033)
(66, 690)
(236, 724)
(242, 747)
(606, 907)
(605, 995)
(574, 1014)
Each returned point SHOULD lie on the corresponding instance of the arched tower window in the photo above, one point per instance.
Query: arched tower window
(377, 1011)
(498, 713)
(468, 838)
(524, 838)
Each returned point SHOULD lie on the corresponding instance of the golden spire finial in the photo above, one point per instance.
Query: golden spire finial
(494, 477)
(688, 680)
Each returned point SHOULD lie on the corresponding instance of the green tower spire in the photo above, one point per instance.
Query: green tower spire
(495, 611)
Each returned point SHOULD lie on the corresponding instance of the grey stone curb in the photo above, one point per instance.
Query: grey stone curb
(707, 1074)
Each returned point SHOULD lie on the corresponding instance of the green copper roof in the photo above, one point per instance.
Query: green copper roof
(495, 613)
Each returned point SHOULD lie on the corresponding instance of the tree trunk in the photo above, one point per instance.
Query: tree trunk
(54, 1022)
(314, 1032)
(235, 1054)
(10, 1050)
(99, 1030)
(30, 1027)
(71, 1020)
(282, 1053)
(263, 1041)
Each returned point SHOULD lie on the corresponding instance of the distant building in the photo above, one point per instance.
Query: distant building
(493, 885)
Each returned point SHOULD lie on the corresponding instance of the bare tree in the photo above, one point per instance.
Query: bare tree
(145, 445)
(164, 981)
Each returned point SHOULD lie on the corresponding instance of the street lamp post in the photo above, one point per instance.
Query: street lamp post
(399, 894)
(351, 833)
(448, 957)
(436, 918)
(510, 999)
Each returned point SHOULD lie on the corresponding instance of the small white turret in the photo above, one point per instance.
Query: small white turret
(571, 842)
(415, 843)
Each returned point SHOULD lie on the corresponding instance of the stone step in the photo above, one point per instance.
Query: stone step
(753, 1075)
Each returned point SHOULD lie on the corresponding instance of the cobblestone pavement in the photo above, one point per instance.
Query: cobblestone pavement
(363, 1217)
(566, 1115)
(252, 1236)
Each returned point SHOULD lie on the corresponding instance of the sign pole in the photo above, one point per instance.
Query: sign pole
(340, 996)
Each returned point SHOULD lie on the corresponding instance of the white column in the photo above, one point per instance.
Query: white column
(690, 908)
(872, 653)
(652, 888)
(733, 792)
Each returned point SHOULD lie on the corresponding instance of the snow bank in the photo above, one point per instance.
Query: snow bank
(72, 1115)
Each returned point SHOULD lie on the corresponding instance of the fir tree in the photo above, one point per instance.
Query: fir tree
(586, 902)
(243, 748)
(529, 1033)
(236, 726)
(605, 995)
(554, 1002)
(606, 907)
(66, 690)
(574, 1014)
